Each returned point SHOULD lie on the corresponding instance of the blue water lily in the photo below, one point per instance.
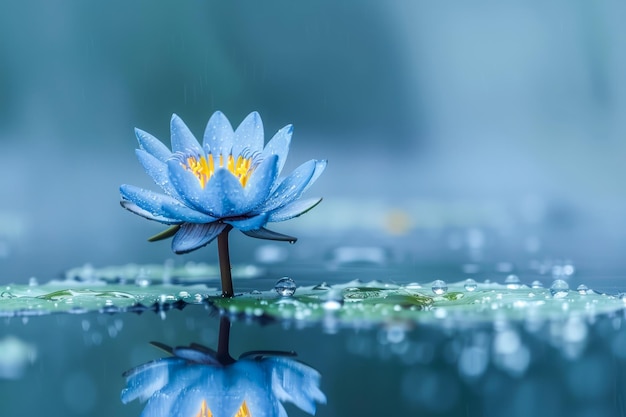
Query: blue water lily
(195, 382)
(231, 180)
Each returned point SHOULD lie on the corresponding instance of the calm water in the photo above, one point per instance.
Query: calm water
(71, 365)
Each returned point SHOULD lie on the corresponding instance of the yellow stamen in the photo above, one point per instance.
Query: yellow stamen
(203, 167)
(243, 411)
(204, 410)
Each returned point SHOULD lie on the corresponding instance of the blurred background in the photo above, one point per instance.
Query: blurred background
(453, 131)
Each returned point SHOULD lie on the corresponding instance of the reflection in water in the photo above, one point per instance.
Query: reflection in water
(199, 381)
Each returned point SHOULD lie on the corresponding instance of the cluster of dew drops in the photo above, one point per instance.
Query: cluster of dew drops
(558, 289)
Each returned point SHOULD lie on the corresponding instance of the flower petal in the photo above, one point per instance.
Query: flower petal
(218, 135)
(251, 223)
(143, 381)
(163, 205)
(186, 184)
(224, 196)
(264, 233)
(249, 135)
(320, 166)
(130, 206)
(193, 236)
(293, 209)
(261, 182)
(157, 169)
(152, 145)
(290, 188)
(182, 139)
(279, 145)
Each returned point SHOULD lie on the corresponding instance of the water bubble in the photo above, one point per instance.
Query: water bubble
(439, 287)
(582, 289)
(322, 286)
(32, 282)
(559, 288)
(142, 281)
(333, 301)
(536, 284)
(331, 305)
(512, 282)
(285, 287)
(470, 285)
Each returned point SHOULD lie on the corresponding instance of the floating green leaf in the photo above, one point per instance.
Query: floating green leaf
(137, 288)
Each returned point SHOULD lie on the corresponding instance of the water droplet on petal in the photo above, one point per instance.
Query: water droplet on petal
(512, 282)
(470, 285)
(559, 288)
(285, 287)
(536, 284)
(439, 287)
(32, 282)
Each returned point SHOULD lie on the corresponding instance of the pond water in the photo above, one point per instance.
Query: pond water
(574, 364)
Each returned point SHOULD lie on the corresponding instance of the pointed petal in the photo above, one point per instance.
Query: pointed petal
(189, 403)
(143, 381)
(262, 181)
(264, 233)
(293, 209)
(224, 196)
(193, 236)
(152, 145)
(186, 184)
(252, 223)
(157, 169)
(182, 138)
(130, 206)
(320, 166)
(290, 188)
(249, 135)
(279, 145)
(165, 234)
(218, 135)
(163, 205)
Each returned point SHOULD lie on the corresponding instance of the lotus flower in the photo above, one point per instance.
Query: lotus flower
(230, 181)
(195, 382)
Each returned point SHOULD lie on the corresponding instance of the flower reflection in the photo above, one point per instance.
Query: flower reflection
(197, 381)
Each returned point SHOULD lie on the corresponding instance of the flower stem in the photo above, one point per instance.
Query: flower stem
(224, 255)
(222, 342)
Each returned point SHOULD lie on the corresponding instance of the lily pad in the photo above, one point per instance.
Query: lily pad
(356, 302)
(151, 287)
(71, 296)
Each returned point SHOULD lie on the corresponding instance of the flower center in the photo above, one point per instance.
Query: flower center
(205, 411)
(203, 167)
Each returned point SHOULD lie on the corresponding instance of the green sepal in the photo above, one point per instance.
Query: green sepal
(169, 232)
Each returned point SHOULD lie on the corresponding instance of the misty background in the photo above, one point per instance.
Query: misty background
(447, 125)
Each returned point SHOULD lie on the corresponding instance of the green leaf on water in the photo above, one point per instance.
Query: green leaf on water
(159, 287)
